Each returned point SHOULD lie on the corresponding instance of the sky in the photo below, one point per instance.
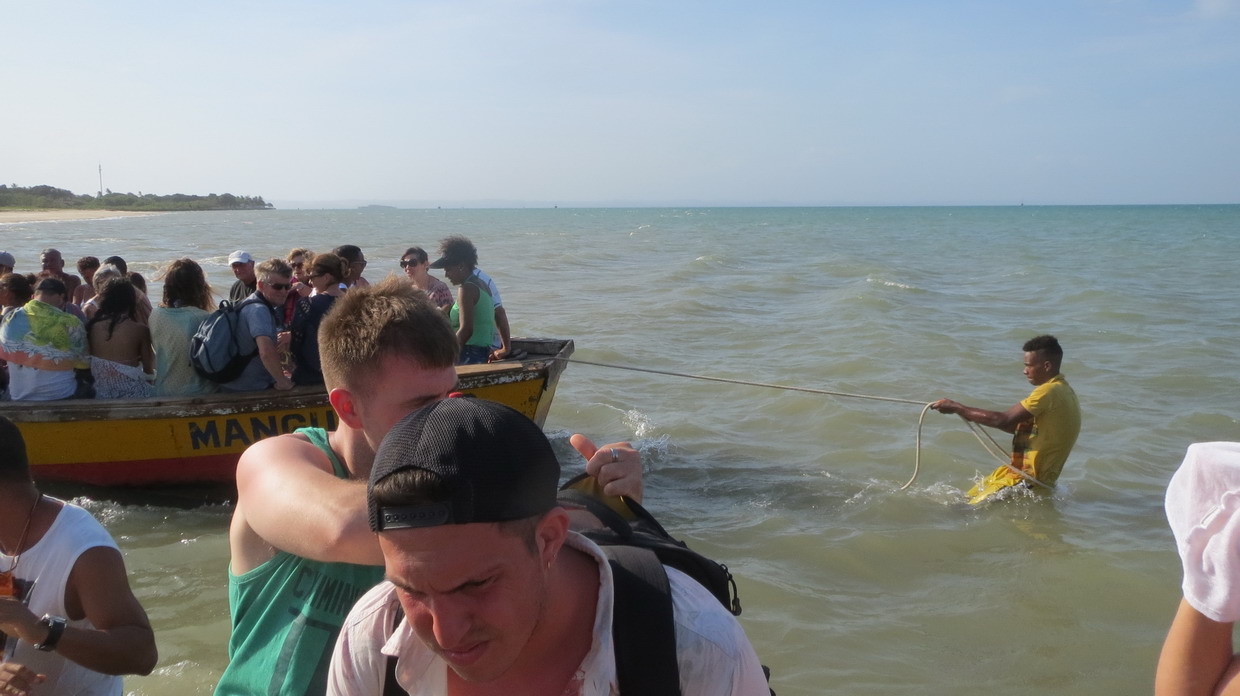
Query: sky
(627, 102)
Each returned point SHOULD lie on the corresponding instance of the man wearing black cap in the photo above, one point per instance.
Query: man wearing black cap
(497, 595)
(301, 549)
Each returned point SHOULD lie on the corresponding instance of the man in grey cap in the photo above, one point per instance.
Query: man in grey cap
(498, 596)
(242, 265)
(7, 262)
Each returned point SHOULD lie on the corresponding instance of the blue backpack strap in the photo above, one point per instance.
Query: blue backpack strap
(642, 627)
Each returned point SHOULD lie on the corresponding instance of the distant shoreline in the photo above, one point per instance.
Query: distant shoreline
(63, 214)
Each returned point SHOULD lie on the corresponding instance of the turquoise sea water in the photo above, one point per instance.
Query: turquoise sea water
(849, 584)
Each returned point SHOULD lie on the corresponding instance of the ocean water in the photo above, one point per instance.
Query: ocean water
(849, 584)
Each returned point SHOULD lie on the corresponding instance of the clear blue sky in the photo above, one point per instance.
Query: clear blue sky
(628, 101)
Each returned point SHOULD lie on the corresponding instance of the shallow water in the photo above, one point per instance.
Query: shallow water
(849, 584)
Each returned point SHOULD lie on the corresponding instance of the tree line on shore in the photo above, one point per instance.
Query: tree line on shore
(39, 197)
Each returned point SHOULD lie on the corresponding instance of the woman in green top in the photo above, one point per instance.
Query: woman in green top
(473, 314)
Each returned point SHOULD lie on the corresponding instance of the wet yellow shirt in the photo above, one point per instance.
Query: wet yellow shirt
(1056, 424)
(1039, 446)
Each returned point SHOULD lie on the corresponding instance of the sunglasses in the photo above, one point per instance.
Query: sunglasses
(407, 264)
(316, 275)
(298, 264)
(279, 286)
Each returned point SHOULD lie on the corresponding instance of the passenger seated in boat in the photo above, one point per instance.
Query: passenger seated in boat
(139, 284)
(501, 342)
(7, 262)
(43, 345)
(298, 260)
(357, 264)
(417, 267)
(187, 301)
(242, 265)
(15, 291)
(473, 314)
(121, 360)
(301, 498)
(101, 277)
(326, 273)
(258, 327)
(87, 265)
(54, 267)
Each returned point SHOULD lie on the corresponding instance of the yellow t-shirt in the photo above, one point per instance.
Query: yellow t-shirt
(1056, 424)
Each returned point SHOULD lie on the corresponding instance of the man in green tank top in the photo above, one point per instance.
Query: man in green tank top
(301, 547)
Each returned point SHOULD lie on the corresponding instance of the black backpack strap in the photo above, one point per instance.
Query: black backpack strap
(642, 628)
(390, 686)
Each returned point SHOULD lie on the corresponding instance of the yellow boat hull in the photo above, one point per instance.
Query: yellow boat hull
(151, 442)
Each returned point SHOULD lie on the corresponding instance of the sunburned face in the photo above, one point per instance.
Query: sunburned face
(321, 281)
(244, 271)
(298, 264)
(398, 387)
(275, 288)
(472, 593)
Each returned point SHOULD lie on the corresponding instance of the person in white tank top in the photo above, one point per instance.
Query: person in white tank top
(69, 621)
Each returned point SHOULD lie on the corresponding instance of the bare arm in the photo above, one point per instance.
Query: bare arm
(289, 499)
(270, 356)
(505, 337)
(147, 352)
(121, 642)
(1003, 420)
(1196, 658)
(466, 297)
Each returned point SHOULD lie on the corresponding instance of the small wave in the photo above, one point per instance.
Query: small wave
(891, 283)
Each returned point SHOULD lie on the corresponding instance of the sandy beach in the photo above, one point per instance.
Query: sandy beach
(60, 214)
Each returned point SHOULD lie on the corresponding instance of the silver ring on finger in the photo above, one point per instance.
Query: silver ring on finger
(615, 456)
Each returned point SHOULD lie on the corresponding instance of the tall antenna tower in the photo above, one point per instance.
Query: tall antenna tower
(101, 179)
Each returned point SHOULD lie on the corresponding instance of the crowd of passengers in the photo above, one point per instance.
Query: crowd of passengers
(100, 336)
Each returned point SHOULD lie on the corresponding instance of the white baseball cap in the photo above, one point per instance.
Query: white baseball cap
(239, 256)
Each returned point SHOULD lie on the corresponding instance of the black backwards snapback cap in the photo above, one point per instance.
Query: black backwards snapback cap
(495, 464)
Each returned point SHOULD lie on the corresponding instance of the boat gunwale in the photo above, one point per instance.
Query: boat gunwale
(546, 357)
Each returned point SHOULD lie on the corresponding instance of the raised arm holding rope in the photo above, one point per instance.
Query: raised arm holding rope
(1044, 425)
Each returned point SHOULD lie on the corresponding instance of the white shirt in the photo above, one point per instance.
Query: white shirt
(45, 569)
(1203, 509)
(715, 657)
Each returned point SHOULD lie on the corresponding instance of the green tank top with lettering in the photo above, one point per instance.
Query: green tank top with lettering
(286, 614)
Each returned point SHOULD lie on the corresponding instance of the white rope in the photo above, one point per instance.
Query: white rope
(917, 456)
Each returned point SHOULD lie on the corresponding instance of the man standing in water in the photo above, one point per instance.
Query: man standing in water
(1044, 425)
(69, 622)
(302, 550)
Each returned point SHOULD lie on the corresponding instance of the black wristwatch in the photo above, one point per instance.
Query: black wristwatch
(55, 629)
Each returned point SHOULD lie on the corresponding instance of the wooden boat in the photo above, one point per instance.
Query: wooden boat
(197, 440)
